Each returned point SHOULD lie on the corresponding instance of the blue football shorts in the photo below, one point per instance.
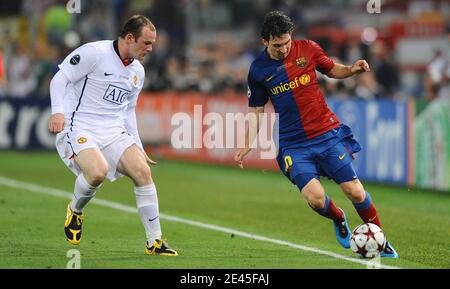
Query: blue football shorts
(332, 158)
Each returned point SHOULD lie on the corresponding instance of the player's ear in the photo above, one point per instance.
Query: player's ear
(129, 37)
(265, 42)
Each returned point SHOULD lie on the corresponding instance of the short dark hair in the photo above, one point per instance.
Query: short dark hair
(134, 26)
(276, 24)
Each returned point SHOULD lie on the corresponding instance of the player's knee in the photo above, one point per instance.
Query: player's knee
(316, 201)
(142, 176)
(314, 198)
(311, 190)
(358, 196)
(354, 190)
(97, 175)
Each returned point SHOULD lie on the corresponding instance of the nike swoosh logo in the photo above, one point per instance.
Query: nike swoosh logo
(270, 77)
(342, 157)
(370, 220)
(108, 74)
(153, 219)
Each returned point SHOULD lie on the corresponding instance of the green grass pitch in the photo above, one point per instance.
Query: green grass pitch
(256, 202)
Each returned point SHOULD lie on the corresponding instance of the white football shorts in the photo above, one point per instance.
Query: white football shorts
(112, 146)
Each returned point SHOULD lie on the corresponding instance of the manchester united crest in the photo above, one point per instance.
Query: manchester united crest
(301, 62)
(82, 140)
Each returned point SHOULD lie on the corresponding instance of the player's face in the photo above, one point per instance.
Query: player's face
(278, 48)
(144, 44)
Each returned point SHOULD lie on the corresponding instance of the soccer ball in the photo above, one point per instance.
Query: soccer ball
(367, 240)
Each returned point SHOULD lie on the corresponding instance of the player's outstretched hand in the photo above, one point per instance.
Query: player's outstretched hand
(239, 156)
(56, 123)
(360, 66)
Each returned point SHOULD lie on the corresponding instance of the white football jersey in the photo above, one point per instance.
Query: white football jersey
(102, 90)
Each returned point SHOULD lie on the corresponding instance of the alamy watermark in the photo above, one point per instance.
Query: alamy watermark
(225, 131)
(74, 256)
(73, 6)
(373, 6)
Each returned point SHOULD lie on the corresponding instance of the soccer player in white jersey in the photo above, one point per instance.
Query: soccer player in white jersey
(93, 97)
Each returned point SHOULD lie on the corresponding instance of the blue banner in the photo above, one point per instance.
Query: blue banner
(24, 124)
(382, 128)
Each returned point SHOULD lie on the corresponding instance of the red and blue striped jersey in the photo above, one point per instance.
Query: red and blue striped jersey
(292, 86)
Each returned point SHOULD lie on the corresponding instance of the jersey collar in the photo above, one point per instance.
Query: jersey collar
(125, 62)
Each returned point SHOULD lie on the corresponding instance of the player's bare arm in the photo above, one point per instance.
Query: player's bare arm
(250, 134)
(341, 71)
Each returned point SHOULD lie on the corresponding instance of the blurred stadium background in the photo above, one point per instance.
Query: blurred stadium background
(400, 111)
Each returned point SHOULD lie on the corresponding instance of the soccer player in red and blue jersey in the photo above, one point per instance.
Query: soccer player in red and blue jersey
(312, 140)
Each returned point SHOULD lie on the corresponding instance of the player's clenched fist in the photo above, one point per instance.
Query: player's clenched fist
(360, 66)
(56, 123)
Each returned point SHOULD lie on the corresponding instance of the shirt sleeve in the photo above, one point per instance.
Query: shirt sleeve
(57, 91)
(79, 63)
(131, 125)
(257, 94)
(323, 63)
(130, 118)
